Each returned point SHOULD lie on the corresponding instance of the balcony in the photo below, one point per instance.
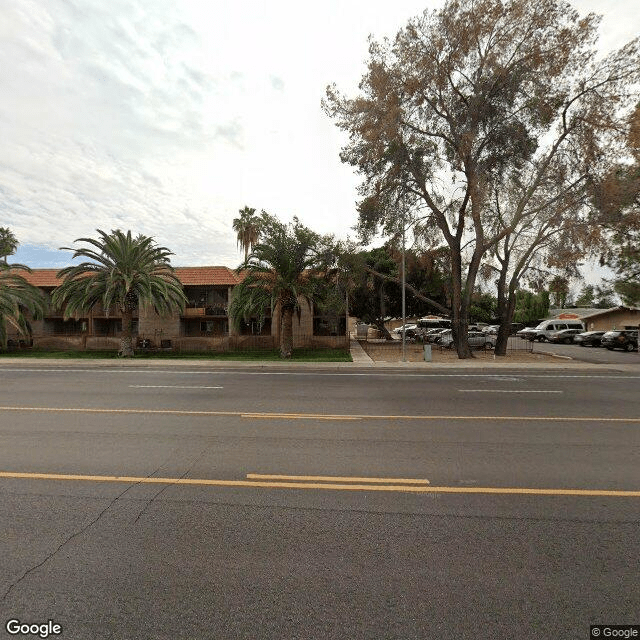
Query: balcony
(192, 311)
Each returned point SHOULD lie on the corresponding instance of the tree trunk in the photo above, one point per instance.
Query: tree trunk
(379, 322)
(506, 308)
(286, 334)
(459, 314)
(126, 339)
(504, 329)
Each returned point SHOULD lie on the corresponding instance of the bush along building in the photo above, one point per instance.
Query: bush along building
(204, 325)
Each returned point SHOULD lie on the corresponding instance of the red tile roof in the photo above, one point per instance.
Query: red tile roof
(207, 276)
(41, 277)
(189, 276)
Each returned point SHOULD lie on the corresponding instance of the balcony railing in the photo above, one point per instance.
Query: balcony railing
(195, 311)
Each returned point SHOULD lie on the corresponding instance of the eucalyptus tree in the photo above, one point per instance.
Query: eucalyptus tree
(121, 271)
(18, 298)
(290, 266)
(617, 201)
(468, 93)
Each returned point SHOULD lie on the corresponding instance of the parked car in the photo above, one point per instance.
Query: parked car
(548, 328)
(526, 333)
(566, 336)
(477, 339)
(620, 339)
(589, 338)
(407, 327)
(516, 327)
(437, 335)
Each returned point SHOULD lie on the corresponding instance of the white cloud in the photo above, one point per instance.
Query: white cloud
(167, 117)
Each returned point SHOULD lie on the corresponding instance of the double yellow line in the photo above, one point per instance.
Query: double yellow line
(254, 480)
(334, 483)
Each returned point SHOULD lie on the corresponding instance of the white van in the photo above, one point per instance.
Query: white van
(548, 328)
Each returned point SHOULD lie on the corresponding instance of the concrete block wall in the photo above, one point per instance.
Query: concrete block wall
(156, 327)
(59, 343)
(106, 343)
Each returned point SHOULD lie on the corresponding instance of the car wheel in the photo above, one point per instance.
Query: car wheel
(630, 347)
(567, 341)
(541, 339)
(488, 345)
(450, 345)
(609, 348)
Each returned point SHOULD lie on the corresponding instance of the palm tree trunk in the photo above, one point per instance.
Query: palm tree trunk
(126, 338)
(286, 334)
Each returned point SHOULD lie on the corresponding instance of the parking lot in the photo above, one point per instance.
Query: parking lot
(595, 355)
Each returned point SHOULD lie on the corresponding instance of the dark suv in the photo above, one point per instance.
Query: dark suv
(620, 339)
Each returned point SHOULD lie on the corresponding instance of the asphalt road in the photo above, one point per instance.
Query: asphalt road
(179, 503)
(593, 355)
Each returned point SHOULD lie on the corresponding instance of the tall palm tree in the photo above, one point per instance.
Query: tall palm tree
(17, 296)
(123, 271)
(8, 243)
(290, 266)
(247, 228)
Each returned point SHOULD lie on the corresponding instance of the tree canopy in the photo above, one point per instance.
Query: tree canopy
(290, 266)
(17, 297)
(617, 200)
(8, 243)
(120, 270)
(247, 228)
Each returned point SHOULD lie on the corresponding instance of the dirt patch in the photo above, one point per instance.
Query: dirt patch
(392, 352)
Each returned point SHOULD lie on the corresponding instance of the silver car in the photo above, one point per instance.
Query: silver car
(477, 339)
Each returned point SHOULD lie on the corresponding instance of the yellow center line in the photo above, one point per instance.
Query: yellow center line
(262, 476)
(299, 416)
(320, 416)
(325, 486)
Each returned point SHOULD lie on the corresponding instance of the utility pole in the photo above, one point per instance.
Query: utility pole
(404, 319)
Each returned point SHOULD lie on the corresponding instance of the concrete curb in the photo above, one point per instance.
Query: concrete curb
(423, 367)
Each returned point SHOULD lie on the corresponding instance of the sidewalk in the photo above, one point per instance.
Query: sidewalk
(360, 361)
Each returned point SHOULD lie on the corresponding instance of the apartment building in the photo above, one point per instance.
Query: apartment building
(204, 325)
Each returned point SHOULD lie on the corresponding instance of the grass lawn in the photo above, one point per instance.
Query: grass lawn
(299, 355)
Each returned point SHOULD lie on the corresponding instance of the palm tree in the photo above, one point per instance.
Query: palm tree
(289, 265)
(8, 243)
(16, 297)
(247, 227)
(123, 271)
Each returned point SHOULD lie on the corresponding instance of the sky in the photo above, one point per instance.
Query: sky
(168, 116)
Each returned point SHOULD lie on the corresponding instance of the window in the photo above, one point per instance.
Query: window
(256, 327)
(214, 301)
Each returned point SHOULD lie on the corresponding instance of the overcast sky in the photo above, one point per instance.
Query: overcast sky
(167, 116)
